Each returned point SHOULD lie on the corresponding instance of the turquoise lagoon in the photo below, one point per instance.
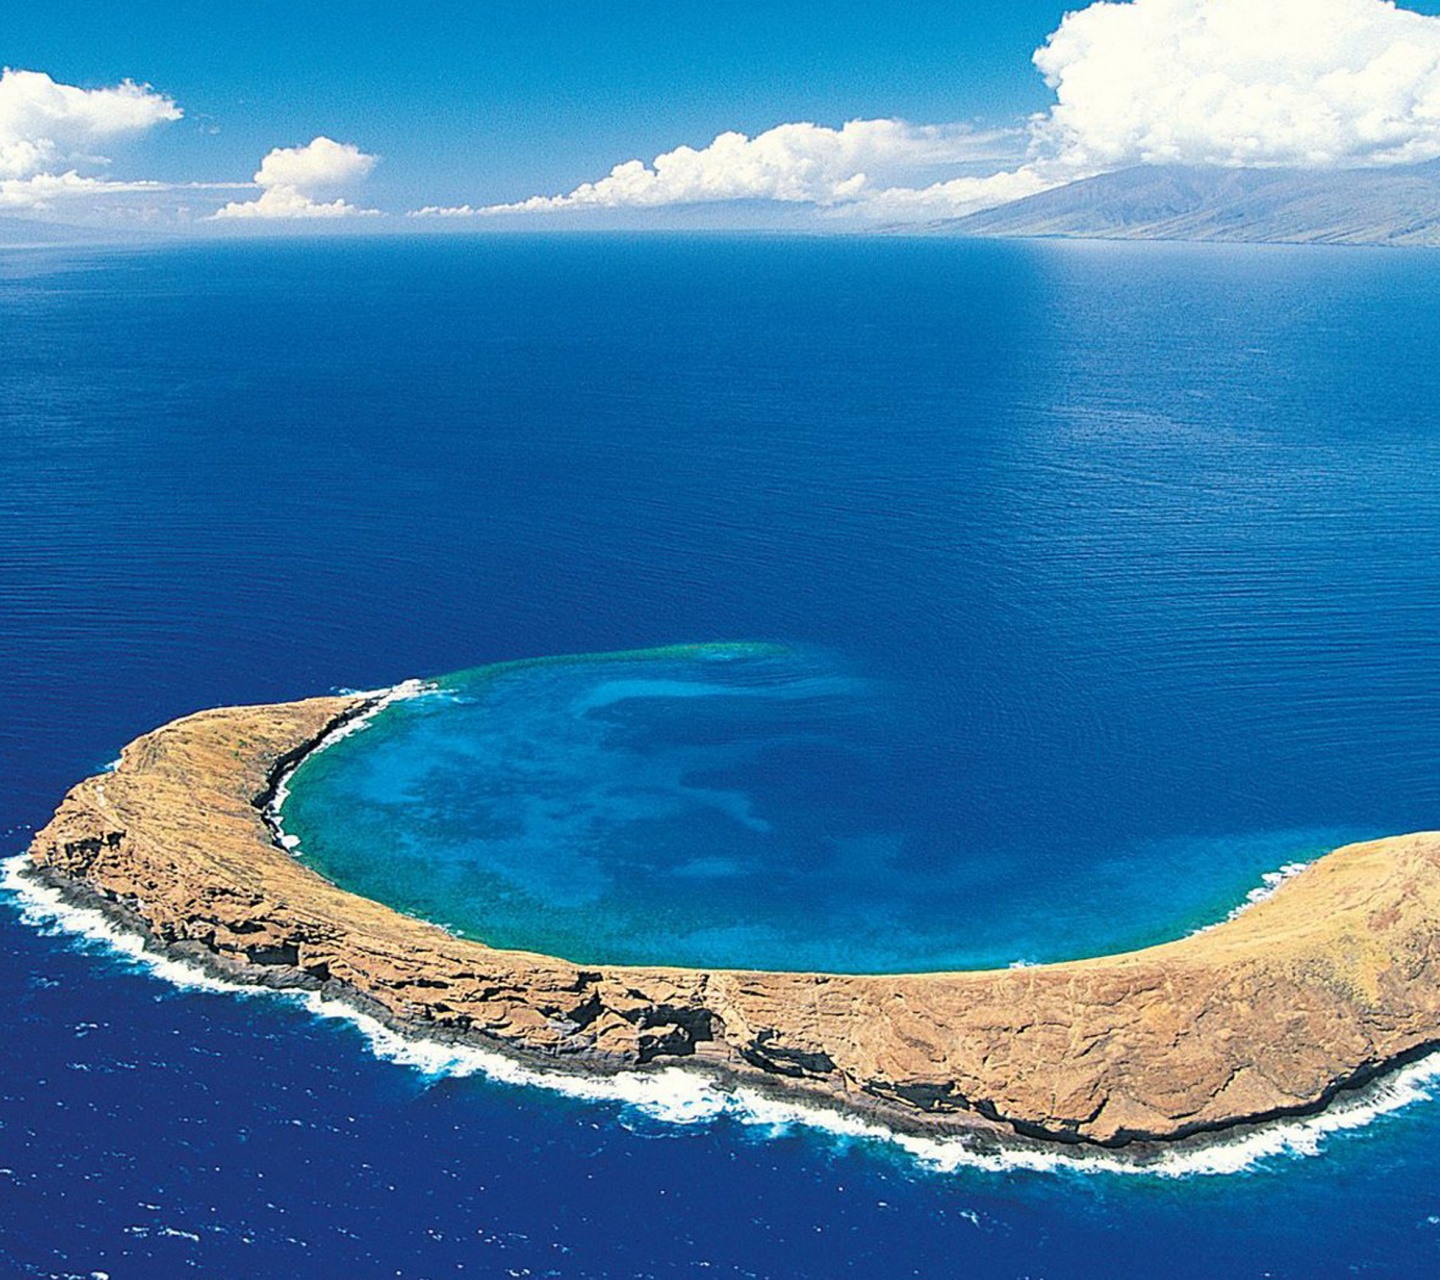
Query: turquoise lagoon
(724, 805)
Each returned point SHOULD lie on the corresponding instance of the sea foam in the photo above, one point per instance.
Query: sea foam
(1269, 885)
(383, 698)
(682, 1096)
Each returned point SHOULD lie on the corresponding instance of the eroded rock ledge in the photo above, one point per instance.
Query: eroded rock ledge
(1319, 988)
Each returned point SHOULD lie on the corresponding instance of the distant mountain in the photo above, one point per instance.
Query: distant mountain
(1399, 206)
(29, 233)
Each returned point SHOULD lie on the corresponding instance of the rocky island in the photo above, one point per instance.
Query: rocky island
(1318, 989)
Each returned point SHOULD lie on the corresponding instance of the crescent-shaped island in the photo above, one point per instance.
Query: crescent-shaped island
(1319, 989)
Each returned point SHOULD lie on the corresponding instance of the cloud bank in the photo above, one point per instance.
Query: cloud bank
(42, 191)
(862, 164)
(295, 181)
(793, 163)
(1307, 83)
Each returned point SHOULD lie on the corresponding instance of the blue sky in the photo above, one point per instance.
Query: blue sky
(483, 104)
(498, 99)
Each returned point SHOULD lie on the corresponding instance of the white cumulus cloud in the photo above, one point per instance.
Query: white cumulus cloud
(45, 124)
(48, 132)
(295, 181)
(1310, 83)
(320, 166)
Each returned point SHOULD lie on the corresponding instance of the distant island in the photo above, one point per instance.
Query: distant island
(1393, 206)
(1273, 1013)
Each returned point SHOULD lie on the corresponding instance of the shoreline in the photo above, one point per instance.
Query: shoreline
(704, 1096)
(1153, 1051)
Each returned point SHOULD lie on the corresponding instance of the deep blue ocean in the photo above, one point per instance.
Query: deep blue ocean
(1047, 597)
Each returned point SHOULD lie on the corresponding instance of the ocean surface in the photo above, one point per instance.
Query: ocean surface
(905, 604)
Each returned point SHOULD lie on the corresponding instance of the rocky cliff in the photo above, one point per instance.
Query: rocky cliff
(1321, 987)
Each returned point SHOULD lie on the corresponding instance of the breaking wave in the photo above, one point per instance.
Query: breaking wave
(681, 1096)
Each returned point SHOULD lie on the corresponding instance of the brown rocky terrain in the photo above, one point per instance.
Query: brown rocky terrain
(1319, 988)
